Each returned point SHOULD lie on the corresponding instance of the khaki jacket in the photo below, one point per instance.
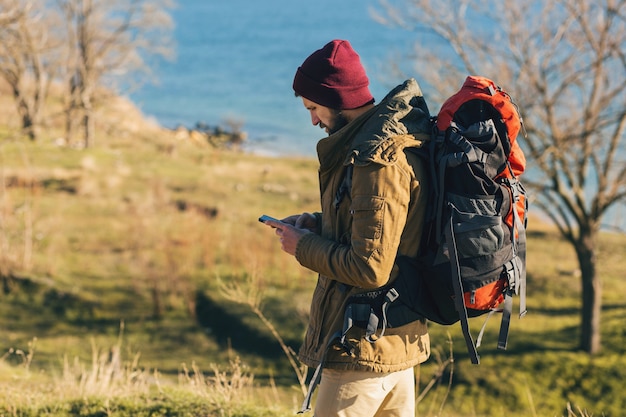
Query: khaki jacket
(360, 236)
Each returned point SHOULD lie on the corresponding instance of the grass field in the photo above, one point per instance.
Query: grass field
(137, 282)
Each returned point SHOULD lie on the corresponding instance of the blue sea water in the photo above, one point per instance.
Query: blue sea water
(235, 60)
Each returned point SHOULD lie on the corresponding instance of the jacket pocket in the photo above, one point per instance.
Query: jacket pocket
(367, 217)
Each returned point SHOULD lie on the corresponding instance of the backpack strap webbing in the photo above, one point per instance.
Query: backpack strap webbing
(315, 380)
(363, 314)
(345, 187)
(507, 308)
(355, 314)
(515, 270)
(317, 376)
(458, 289)
(518, 226)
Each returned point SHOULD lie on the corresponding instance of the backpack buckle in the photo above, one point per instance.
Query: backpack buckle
(392, 295)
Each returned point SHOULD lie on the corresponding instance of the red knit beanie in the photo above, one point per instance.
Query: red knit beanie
(333, 77)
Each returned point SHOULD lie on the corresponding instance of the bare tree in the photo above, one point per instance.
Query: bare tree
(27, 57)
(109, 39)
(564, 61)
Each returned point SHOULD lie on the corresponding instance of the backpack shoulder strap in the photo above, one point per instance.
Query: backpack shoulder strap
(345, 187)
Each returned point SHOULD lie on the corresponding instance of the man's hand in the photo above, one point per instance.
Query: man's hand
(289, 234)
(302, 221)
(307, 221)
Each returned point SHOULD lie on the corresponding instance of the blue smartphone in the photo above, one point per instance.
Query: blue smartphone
(264, 218)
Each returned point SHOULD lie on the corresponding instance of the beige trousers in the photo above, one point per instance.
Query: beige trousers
(366, 394)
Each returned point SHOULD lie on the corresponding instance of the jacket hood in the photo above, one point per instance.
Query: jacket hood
(400, 120)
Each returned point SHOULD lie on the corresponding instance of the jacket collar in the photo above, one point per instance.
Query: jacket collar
(400, 120)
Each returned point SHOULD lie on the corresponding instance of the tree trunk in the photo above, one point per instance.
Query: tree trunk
(24, 111)
(69, 125)
(88, 127)
(88, 122)
(591, 294)
(28, 127)
(71, 106)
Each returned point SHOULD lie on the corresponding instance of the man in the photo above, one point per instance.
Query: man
(373, 202)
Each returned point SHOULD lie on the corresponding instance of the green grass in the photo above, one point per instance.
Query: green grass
(144, 231)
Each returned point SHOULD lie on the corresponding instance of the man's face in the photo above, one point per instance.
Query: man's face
(330, 120)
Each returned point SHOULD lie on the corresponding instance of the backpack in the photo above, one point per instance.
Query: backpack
(473, 246)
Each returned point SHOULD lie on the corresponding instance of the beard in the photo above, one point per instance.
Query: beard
(338, 122)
